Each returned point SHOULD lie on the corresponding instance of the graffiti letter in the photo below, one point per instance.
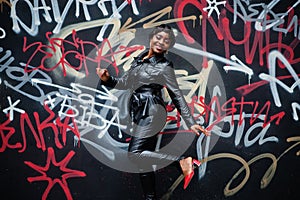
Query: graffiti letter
(16, 20)
(272, 76)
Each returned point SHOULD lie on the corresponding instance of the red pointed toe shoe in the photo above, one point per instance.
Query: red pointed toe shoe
(196, 162)
(188, 177)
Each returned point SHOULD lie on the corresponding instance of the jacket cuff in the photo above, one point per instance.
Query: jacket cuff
(111, 82)
(190, 122)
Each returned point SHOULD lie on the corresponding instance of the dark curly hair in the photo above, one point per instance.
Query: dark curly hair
(164, 28)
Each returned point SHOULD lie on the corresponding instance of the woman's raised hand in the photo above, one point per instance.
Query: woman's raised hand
(102, 73)
(196, 128)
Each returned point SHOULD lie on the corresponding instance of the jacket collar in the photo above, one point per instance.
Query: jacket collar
(153, 60)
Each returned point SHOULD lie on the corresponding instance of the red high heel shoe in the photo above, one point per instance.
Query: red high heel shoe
(188, 177)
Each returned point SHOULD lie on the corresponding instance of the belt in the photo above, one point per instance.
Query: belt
(154, 91)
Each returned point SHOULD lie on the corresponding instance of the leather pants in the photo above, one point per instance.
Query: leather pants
(149, 118)
(148, 184)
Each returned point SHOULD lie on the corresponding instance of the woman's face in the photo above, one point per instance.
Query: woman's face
(160, 43)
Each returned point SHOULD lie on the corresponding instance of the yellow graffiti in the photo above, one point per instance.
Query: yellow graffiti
(238, 158)
(293, 139)
(4, 2)
(67, 31)
(118, 36)
(156, 16)
(269, 174)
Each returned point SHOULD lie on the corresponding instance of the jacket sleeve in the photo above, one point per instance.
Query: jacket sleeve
(118, 83)
(176, 95)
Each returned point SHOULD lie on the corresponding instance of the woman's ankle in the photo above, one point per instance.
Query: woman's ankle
(186, 165)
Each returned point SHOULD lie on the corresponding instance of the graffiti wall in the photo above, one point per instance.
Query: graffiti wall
(236, 62)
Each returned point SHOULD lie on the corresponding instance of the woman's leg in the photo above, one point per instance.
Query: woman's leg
(148, 184)
(147, 177)
(142, 145)
(142, 152)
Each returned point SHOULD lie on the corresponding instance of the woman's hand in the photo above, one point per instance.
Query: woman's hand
(102, 73)
(196, 128)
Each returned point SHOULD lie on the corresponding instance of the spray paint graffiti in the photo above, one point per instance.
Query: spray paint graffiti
(60, 15)
(252, 45)
(61, 181)
(223, 30)
(49, 51)
(3, 33)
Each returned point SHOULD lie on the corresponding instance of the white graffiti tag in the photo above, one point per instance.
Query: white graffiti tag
(12, 108)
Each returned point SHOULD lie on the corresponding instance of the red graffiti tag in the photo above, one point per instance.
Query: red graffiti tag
(260, 43)
(59, 51)
(51, 122)
(232, 107)
(62, 166)
(246, 89)
(6, 132)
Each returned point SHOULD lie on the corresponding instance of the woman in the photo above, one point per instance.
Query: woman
(149, 73)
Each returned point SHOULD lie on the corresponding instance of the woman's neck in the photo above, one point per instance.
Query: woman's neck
(150, 54)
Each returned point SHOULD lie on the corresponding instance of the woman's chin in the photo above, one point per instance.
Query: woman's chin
(159, 51)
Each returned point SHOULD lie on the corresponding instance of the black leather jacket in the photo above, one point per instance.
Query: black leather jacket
(153, 73)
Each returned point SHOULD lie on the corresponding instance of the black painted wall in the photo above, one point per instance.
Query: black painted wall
(237, 63)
